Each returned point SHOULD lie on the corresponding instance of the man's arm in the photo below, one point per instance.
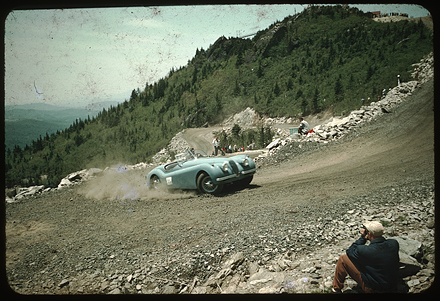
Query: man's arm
(352, 251)
(300, 127)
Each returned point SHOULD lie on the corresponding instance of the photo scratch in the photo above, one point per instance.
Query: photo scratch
(37, 91)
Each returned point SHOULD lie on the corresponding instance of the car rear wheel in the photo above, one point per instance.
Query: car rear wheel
(155, 182)
(206, 185)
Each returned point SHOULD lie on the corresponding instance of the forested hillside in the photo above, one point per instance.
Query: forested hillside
(325, 58)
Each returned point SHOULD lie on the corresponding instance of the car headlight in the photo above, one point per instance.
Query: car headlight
(225, 166)
(245, 162)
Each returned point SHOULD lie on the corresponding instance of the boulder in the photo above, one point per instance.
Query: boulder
(199, 290)
(28, 191)
(408, 265)
(115, 291)
(11, 192)
(266, 282)
(358, 112)
(409, 246)
(231, 287)
(169, 289)
(245, 118)
(63, 283)
(231, 264)
(336, 121)
(234, 261)
(274, 144)
(64, 183)
(253, 268)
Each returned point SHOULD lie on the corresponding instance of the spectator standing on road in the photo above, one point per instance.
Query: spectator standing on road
(304, 127)
(398, 80)
(216, 143)
(375, 267)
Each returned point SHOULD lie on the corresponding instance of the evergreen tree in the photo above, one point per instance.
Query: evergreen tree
(289, 84)
(236, 130)
(259, 70)
(276, 89)
(370, 72)
(240, 59)
(338, 89)
(134, 95)
(197, 112)
(304, 104)
(299, 93)
(218, 103)
(315, 104)
(237, 89)
(194, 76)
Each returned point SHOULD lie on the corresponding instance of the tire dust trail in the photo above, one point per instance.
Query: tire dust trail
(126, 185)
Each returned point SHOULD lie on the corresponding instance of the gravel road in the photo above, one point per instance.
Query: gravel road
(111, 227)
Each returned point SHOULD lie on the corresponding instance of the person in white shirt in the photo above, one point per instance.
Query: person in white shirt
(304, 127)
(216, 143)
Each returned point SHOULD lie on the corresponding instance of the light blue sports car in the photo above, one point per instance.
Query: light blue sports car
(194, 169)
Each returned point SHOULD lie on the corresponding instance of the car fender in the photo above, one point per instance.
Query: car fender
(210, 171)
(157, 172)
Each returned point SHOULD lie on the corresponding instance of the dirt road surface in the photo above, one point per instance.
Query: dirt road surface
(113, 224)
(201, 138)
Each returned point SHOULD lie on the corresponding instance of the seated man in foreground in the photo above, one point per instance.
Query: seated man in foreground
(375, 267)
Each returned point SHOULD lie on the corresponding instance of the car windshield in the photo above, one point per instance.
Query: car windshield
(192, 154)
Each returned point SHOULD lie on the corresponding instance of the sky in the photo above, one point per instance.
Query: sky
(74, 57)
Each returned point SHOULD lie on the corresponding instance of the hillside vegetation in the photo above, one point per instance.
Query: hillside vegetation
(325, 58)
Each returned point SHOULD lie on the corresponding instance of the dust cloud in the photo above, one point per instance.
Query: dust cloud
(121, 184)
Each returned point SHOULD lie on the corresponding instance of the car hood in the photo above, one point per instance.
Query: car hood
(215, 160)
(220, 160)
(211, 160)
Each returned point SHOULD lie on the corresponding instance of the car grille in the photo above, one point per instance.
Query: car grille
(234, 166)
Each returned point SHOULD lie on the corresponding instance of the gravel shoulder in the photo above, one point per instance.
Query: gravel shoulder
(95, 235)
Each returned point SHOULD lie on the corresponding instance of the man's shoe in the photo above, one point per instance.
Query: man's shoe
(336, 291)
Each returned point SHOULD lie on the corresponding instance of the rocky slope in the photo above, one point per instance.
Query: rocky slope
(284, 257)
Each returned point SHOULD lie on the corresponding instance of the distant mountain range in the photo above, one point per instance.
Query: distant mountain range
(24, 123)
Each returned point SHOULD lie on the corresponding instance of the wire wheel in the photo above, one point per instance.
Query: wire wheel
(206, 185)
(155, 182)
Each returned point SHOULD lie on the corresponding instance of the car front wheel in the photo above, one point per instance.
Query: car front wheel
(205, 184)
